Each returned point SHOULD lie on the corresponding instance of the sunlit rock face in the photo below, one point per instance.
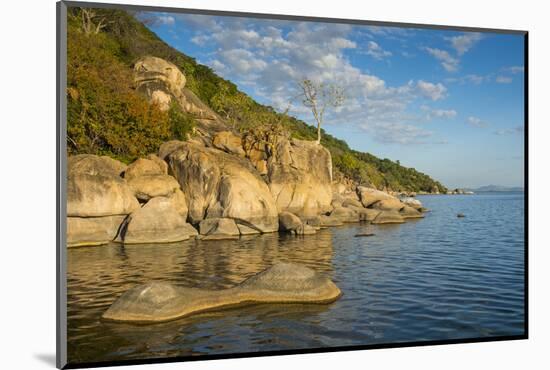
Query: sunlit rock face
(300, 177)
(281, 283)
(162, 83)
(219, 185)
(158, 221)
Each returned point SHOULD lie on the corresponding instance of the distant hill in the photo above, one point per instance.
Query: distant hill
(107, 116)
(487, 188)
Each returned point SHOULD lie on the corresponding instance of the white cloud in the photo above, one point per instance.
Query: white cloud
(476, 122)
(465, 42)
(438, 113)
(431, 90)
(448, 62)
(398, 133)
(503, 79)
(166, 19)
(514, 69)
(269, 59)
(518, 130)
(375, 51)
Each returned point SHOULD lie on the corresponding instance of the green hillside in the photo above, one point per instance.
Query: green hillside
(107, 116)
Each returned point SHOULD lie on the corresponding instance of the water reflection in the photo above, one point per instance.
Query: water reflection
(433, 278)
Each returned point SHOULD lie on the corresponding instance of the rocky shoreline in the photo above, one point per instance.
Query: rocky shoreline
(216, 184)
(195, 191)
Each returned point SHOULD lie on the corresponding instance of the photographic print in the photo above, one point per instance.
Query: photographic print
(239, 185)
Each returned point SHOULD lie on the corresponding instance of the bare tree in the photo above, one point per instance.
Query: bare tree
(318, 96)
(89, 17)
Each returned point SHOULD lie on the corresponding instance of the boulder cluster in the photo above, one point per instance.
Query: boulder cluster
(190, 190)
(214, 185)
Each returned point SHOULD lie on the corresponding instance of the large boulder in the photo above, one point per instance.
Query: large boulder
(150, 186)
(145, 167)
(289, 221)
(300, 177)
(388, 205)
(345, 214)
(281, 283)
(365, 214)
(159, 79)
(369, 196)
(99, 195)
(90, 164)
(415, 203)
(410, 212)
(157, 221)
(217, 184)
(328, 221)
(388, 217)
(163, 83)
(228, 142)
(92, 230)
(218, 228)
(179, 203)
(352, 202)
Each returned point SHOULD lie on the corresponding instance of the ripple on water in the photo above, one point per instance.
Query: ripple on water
(436, 278)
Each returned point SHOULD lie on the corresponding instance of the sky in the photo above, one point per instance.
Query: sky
(447, 103)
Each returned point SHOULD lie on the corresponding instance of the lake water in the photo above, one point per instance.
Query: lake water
(440, 277)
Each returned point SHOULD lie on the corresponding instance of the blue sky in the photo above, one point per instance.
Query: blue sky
(447, 103)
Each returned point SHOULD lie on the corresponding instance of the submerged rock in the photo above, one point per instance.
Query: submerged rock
(289, 221)
(281, 283)
(363, 235)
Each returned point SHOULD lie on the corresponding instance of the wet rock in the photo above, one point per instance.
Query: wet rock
(345, 214)
(388, 217)
(388, 205)
(410, 212)
(363, 235)
(281, 283)
(92, 230)
(289, 221)
(218, 228)
(411, 202)
(157, 221)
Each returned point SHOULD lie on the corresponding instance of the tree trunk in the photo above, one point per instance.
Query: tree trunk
(318, 133)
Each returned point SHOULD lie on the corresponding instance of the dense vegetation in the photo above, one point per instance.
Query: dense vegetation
(107, 116)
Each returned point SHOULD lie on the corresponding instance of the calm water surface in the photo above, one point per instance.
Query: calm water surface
(441, 277)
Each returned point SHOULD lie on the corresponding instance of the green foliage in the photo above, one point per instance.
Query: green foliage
(182, 124)
(107, 116)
